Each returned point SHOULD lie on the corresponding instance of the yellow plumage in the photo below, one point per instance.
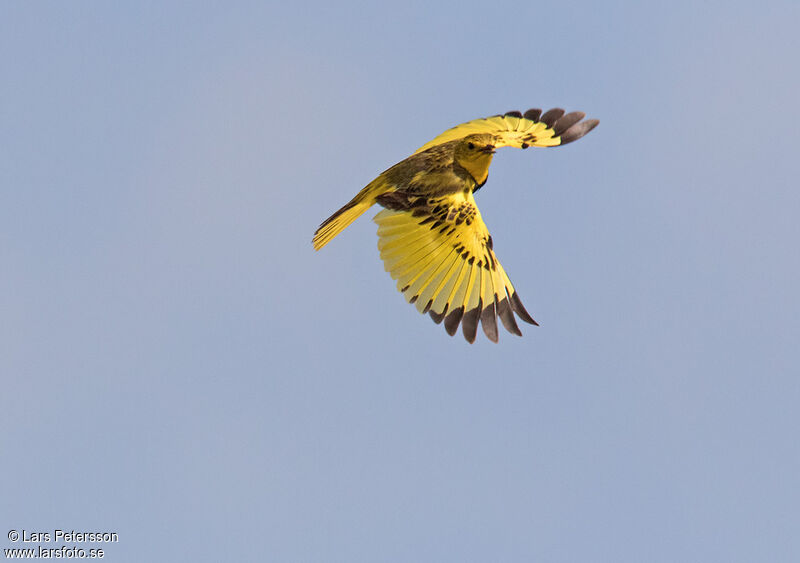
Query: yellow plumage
(431, 236)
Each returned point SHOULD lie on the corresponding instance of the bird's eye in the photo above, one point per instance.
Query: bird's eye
(471, 145)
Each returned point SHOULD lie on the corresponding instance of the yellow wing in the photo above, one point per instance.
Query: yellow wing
(531, 129)
(440, 252)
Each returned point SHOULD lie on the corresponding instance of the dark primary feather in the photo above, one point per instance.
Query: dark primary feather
(551, 116)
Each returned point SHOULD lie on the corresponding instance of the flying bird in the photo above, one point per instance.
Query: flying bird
(431, 236)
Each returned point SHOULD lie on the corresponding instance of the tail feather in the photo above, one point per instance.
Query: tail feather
(351, 211)
(337, 222)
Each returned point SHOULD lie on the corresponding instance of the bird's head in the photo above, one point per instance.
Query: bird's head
(474, 153)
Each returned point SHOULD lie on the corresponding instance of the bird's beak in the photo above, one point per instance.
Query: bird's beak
(489, 149)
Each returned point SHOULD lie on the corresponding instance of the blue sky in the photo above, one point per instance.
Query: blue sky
(180, 367)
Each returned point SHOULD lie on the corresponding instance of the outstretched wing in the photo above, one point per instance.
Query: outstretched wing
(440, 252)
(531, 129)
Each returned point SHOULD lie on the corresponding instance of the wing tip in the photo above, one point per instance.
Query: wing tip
(578, 130)
(452, 320)
(533, 114)
(519, 309)
(437, 317)
(469, 323)
(566, 121)
(550, 117)
(507, 316)
(489, 322)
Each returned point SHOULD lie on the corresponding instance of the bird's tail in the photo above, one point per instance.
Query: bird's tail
(351, 211)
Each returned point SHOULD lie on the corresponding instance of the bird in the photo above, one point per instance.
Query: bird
(431, 236)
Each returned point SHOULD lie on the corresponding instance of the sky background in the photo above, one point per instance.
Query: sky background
(180, 367)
